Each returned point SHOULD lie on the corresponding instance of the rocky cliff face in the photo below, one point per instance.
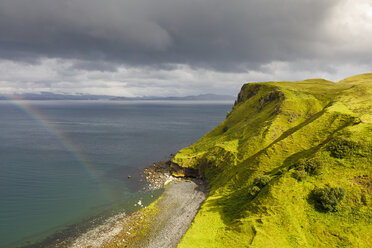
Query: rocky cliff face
(179, 171)
(285, 167)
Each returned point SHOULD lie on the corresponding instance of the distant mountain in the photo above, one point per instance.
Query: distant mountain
(209, 97)
(203, 97)
(54, 96)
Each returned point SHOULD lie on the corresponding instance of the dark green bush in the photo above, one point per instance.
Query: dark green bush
(258, 183)
(364, 199)
(313, 166)
(254, 191)
(261, 180)
(340, 148)
(327, 198)
(280, 171)
(224, 129)
(300, 175)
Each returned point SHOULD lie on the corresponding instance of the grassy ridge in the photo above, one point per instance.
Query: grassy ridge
(282, 142)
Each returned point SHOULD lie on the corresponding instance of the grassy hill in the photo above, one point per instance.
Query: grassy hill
(291, 166)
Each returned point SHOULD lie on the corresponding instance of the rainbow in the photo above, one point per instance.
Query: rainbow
(39, 118)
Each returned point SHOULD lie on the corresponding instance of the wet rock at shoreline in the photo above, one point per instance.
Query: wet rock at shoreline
(158, 175)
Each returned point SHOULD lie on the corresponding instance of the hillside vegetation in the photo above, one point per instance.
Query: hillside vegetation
(289, 167)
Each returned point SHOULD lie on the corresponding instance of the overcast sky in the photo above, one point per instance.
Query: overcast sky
(178, 47)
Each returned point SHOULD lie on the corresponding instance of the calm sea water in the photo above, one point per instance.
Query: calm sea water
(63, 161)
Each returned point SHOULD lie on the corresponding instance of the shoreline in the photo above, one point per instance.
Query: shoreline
(178, 207)
(64, 237)
(150, 226)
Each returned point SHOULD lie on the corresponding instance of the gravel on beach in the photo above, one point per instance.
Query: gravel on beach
(178, 207)
(176, 210)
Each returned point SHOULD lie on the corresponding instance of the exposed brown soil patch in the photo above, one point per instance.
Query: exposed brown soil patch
(365, 181)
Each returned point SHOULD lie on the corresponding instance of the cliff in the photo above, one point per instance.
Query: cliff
(289, 167)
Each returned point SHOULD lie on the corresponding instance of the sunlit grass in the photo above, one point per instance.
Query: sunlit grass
(273, 126)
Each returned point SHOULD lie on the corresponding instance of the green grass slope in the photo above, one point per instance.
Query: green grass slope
(291, 166)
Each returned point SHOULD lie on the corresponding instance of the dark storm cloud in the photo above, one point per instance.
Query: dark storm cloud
(218, 34)
(178, 47)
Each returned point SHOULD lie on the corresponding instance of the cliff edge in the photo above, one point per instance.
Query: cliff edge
(291, 166)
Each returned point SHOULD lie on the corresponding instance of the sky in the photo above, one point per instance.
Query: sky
(178, 47)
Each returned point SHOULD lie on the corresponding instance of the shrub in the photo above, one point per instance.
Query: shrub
(364, 199)
(327, 198)
(280, 171)
(254, 191)
(224, 129)
(258, 183)
(313, 166)
(340, 148)
(300, 175)
(261, 180)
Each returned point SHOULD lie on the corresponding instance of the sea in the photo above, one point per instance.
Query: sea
(63, 162)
